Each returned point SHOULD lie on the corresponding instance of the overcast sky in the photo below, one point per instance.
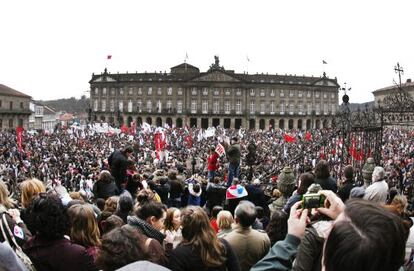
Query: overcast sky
(49, 49)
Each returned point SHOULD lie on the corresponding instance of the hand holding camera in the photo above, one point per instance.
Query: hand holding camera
(333, 205)
(298, 219)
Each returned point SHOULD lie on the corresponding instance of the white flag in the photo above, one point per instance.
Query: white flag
(210, 132)
(146, 127)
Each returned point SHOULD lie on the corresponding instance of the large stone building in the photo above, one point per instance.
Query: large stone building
(380, 94)
(217, 97)
(14, 108)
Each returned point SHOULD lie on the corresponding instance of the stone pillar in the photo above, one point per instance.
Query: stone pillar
(232, 123)
(367, 171)
(286, 185)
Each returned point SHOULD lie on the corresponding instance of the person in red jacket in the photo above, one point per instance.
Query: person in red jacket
(212, 164)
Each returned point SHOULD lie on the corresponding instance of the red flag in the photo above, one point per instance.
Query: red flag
(133, 129)
(189, 140)
(308, 136)
(159, 141)
(322, 153)
(19, 131)
(109, 57)
(357, 155)
(124, 129)
(289, 138)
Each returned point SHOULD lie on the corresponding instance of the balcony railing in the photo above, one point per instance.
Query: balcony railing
(16, 111)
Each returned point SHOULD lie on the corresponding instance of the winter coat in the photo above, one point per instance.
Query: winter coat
(104, 190)
(233, 154)
(186, 257)
(327, 184)
(249, 245)
(309, 255)
(216, 195)
(58, 255)
(280, 256)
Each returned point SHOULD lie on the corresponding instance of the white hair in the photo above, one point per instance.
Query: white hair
(378, 174)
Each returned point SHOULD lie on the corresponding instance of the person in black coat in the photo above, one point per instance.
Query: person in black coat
(162, 189)
(256, 196)
(215, 194)
(105, 186)
(323, 178)
(348, 184)
(118, 163)
(176, 190)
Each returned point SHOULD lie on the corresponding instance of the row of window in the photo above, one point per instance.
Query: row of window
(217, 92)
(11, 123)
(227, 106)
(11, 105)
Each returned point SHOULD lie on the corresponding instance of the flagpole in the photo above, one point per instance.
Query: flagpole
(247, 64)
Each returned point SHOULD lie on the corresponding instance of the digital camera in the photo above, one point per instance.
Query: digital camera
(310, 201)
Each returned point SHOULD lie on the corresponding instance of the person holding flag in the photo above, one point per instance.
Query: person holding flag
(233, 152)
(212, 164)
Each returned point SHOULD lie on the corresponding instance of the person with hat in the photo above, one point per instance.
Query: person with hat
(234, 194)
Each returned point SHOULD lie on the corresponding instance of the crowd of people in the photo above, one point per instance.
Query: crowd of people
(79, 199)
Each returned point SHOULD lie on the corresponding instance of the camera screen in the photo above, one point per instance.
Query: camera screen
(312, 201)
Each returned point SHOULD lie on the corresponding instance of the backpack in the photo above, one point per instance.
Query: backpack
(11, 241)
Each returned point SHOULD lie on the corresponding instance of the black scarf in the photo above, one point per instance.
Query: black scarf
(145, 228)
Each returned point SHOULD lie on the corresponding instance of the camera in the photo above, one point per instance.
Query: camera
(310, 201)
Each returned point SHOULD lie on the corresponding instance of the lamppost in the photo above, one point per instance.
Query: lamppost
(119, 117)
(193, 163)
(251, 158)
(89, 114)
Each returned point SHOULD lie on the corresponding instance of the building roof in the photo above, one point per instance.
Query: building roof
(5, 90)
(66, 117)
(386, 89)
(181, 76)
(184, 66)
(47, 110)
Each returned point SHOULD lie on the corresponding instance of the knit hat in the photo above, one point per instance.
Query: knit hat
(236, 192)
(357, 193)
(314, 188)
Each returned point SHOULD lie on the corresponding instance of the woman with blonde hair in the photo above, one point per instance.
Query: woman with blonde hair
(201, 249)
(12, 216)
(84, 229)
(224, 222)
(30, 189)
(5, 201)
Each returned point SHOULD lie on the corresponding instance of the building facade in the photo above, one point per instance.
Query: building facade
(217, 97)
(14, 108)
(381, 94)
(43, 117)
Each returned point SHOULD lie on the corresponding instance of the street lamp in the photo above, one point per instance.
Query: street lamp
(193, 163)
